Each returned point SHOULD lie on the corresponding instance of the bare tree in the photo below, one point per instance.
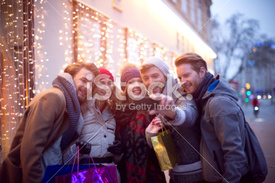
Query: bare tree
(233, 42)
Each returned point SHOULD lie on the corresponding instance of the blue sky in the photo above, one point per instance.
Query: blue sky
(261, 10)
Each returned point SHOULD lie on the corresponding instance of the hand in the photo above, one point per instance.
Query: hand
(166, 106)
(84, 147)
(116, 148)
(154, 126)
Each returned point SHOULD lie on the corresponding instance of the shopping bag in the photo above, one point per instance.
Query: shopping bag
(53, 171)
(96, 174)
(81, 173)
(165, 150)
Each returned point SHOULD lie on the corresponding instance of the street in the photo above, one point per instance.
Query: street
(264, 127)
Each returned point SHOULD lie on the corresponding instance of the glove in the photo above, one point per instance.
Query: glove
(117, 148)
(84, 147)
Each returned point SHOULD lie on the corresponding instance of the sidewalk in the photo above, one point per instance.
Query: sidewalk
(264, 128)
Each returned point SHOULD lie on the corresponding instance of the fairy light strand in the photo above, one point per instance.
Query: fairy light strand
(15, 66)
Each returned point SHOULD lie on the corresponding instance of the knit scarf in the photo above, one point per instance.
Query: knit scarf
(65, 83)
(139, 163)
(206, 82)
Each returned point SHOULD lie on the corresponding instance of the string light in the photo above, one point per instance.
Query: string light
(66, 34)
(40, 55)
(94, 36)
(16, 65)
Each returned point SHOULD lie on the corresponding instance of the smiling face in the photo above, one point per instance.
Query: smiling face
(103, 88)
(189, 78)
(81, 78)
(154, 80)
(134, 83)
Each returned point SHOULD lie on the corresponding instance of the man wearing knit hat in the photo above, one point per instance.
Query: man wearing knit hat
(158, 81)
(182, 116)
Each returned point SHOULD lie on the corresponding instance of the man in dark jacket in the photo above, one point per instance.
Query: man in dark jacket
(222, 121)
(49, 124)
(181, 112)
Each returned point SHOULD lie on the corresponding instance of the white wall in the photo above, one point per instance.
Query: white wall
(49, 54)
(136, 14)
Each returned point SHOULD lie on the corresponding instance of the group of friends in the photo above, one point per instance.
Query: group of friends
(200, 110)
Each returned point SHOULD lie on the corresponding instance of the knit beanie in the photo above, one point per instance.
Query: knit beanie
(128, 74)
(159, 63)
(105, 71)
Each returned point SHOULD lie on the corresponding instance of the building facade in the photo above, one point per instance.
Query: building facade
(197, 14)
(259, 71)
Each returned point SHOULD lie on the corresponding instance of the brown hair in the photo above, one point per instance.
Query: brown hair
(145, 68)
(193, 59)
(74, 68)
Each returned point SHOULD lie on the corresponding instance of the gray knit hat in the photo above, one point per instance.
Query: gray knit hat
(159, 63)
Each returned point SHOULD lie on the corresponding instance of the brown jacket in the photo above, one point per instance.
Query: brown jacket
(43, 122)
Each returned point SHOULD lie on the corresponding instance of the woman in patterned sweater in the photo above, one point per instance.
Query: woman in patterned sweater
(138, 163)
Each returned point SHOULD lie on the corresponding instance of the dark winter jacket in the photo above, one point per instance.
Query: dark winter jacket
(222, 130)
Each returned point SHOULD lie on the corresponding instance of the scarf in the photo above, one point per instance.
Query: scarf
(65, 83)
(139, 163)
(206, 82)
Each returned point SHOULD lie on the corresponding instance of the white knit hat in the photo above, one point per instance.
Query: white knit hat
(159, 63)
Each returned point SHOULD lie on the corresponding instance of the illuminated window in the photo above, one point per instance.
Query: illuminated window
(132, 50)
(138, 47)
(91, 34)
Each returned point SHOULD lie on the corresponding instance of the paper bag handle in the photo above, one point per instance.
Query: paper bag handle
(76, 154)
(161, 118)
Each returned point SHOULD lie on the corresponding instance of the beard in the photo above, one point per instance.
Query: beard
(81, 95)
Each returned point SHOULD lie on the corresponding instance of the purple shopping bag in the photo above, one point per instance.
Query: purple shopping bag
(96, 174)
